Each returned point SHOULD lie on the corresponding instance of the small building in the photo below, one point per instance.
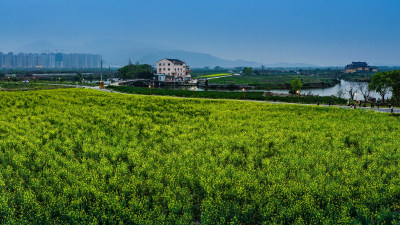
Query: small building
(174, 70)
(159, 77)
(355, 67)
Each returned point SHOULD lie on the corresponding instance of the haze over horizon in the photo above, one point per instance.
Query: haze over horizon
(318, 32)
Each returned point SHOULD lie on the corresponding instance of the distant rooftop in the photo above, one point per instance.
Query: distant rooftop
(361, 64)
(357, 65)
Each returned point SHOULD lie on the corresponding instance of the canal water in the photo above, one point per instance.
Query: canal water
(340, 90)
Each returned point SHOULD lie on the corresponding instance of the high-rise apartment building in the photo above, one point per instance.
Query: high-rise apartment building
(49, 60)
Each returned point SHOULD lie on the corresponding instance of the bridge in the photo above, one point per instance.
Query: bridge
(154, 83)
(135, 82)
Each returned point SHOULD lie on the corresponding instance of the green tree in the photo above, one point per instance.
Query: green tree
(395, 84)
(296, 85)
(78, 77)
(381, 83)
(247, 71)
(133, 71)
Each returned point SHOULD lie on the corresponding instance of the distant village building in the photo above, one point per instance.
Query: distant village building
(172, 70)
(360, 67)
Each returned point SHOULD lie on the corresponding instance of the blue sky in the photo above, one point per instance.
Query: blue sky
(320, 32)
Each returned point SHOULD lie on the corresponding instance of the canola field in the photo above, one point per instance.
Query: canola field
(81, 156)
(216, 75)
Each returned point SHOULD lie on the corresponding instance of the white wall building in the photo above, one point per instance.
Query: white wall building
(174, 70)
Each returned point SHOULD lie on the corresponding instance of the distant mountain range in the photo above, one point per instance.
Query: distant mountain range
(118, 52)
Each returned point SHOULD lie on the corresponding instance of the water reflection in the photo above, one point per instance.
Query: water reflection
(341, 89)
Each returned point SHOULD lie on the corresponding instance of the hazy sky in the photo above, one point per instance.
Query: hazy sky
(320, 32)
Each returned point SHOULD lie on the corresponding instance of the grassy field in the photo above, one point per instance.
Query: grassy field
(84, 156)
(276, 81)
(11, 86)
(86, 83)
(229, 95)
(40, 85)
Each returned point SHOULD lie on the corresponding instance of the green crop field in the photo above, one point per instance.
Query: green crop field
(85, 156)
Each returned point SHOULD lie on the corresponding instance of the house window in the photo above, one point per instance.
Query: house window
(169, 64)
(163, 64)
(164, 68)
(169, 69)
(159, 64)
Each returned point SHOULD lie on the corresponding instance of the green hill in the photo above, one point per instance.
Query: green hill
(83, 156)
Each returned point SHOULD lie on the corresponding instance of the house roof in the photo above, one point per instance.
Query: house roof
(357, 64)
(175, 60)
(364, 64)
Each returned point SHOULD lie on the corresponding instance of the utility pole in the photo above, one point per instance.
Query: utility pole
(101, 70)
(109, 75)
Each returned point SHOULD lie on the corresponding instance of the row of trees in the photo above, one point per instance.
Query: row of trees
(361, 89)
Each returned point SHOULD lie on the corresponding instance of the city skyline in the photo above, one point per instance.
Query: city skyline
(318, 32)
(49, 61)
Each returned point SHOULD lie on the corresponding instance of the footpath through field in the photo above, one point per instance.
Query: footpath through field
(383, 110)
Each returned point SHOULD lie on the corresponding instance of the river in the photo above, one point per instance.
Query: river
(341, 89)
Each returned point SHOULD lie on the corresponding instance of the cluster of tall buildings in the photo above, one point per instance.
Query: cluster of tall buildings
(49, 60)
